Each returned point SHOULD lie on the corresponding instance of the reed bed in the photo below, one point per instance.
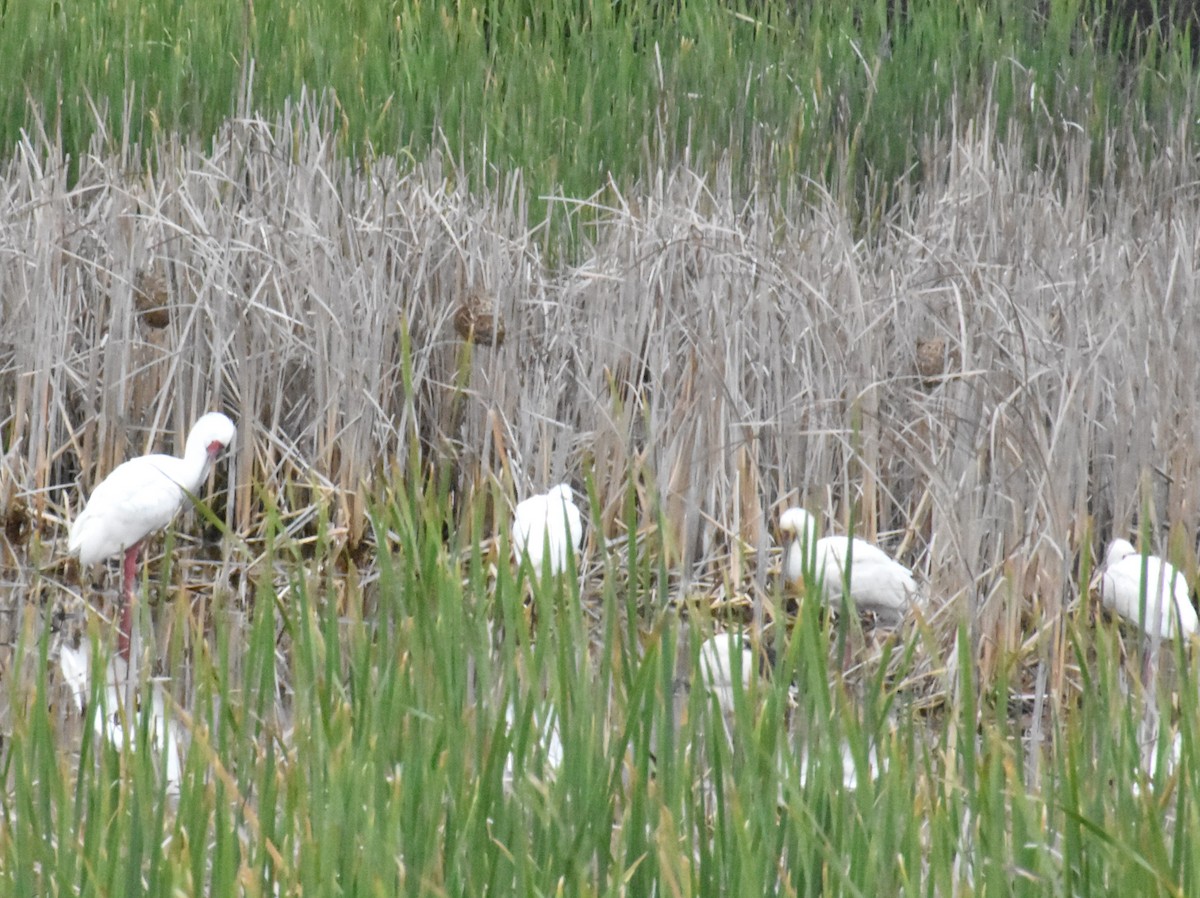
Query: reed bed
(991, 385)
(570, 92)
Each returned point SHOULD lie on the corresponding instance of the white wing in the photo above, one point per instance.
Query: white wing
(573, 524)
(878, 582)
(717, 664)
(137, 498)
(529, 530)
(548, 748)
(113, 714)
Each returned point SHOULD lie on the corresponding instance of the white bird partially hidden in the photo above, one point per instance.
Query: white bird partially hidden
(878, 583)
(808, 764)
(546, 528)
(725, 661)
(141, 496)
(1160, 603)
(113, 714)
(545, 753)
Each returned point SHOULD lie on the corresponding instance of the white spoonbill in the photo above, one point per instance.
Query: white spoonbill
(878, 583)
(1160, 603)
(718, 657)
(142, 496)
(546, 527)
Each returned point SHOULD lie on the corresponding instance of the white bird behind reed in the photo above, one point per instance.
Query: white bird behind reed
(546, 528)
(725, 659)
(878, 583)
(115, 713)
(545, 751)
(1160, 604)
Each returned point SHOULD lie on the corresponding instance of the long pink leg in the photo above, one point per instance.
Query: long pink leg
(128, 596)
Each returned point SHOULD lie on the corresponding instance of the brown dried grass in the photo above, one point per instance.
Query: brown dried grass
(720, 355)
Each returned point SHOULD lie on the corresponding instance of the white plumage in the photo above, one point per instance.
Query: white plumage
(724, 659)
(545, 752)
(810, 763)
(145, 493)
(1164, 592)
(546, 527)
(878, 583)
(114, 714)
(142, 496)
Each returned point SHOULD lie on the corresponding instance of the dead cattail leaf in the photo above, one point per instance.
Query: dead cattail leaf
(750, 489)
(149, 366)
(477, 320)
(151, 298)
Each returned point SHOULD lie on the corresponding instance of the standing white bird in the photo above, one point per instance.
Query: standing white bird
(545, 528)
(878, 583)
(1160, 602)
(141, 496)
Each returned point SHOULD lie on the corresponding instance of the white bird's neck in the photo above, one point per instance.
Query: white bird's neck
(805, 536)
(194, 466)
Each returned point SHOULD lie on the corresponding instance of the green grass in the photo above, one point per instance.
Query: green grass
(356, 743)
(844, 95)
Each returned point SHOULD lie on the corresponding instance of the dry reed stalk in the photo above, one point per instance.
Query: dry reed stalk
(708, 351)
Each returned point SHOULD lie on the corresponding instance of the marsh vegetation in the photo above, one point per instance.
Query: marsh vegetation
(964, 329)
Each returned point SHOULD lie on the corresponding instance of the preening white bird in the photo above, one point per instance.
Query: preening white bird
(141, 496)
(724, 660)
(1159, 601)
(878, 583)
(546, 527)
